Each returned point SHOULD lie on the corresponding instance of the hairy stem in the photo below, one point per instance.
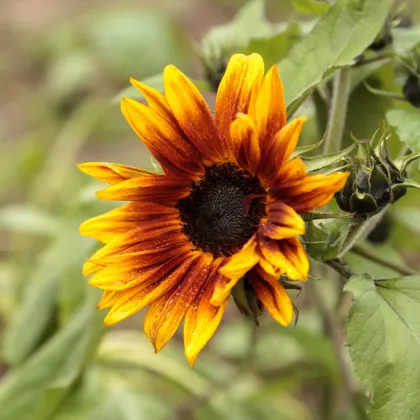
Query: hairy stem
(338, 112)
(372, 256)
(341, 267)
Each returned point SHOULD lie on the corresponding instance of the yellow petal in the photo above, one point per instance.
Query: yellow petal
(243, 75)
(193, 114)
(112, 173)
(235, 268)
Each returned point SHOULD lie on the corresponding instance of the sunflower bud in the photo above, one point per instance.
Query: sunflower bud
(411, 90)
(375, 182)
(246, 300)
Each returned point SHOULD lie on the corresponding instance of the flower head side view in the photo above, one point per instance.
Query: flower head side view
(227, 206)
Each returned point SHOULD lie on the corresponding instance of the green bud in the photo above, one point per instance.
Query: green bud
(246, 300)
(375, 182)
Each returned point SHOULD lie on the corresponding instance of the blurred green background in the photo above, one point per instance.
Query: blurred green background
(62, 64)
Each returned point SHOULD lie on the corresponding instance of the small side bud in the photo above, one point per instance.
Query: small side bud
(411, 90)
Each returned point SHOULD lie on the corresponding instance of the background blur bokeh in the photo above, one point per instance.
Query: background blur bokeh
(63, 65)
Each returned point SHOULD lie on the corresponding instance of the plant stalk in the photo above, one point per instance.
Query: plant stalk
(372, 256)
(338, 112)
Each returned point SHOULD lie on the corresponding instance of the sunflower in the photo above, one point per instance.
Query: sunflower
(226, 208)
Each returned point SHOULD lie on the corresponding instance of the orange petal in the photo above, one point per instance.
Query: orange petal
(105, 227)
(243, 75)
(281, 147)
(293, 250)
(107, 300)
(135, 299)
(164, 315)
(112, 173)
(273, 296)
(310, 192)
(155, 100)
(150, 187)
(193, 114)
(244, 143)
(290, 171)
(270, 108)
(282, 222)
(202, 318)
(235, 268)
(164, 140)
(278, 259)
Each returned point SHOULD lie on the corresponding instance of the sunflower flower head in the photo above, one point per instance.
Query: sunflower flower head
(227, 209)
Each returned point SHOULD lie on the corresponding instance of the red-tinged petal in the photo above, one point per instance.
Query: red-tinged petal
(282, 222)
(234, 269)
(130, 247)
(164, 315)
(270, 108)
(112, 173)
(105, 227)
(290, 171)
(243, 75)
(293, 250)
(277, 259)
(244, 143)
(126, 276)
(280, 148)
(164, 140)
(156, 188)
(273, 296)
(135, 299)
(202, 318)
(310, 192)
(155, 100)
(193, 114)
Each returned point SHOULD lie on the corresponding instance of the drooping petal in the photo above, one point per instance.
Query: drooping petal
(164, 315)
(112, 173)
(243, 76)
(310, 192)
(294, 251)
(193, 114)
(202, 318)
(282, 222)
(270, 108)
(278, 258)
(280, 148)
(156, 188)
(235, 268)
(244, 143)
(135, 299)
(164, 140)
(273, 296)
(105, 227)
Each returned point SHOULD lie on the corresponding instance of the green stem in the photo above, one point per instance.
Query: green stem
(341, 267)
(337, 118)
(368, 254)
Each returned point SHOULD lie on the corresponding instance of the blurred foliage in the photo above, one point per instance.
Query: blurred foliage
(62, 81)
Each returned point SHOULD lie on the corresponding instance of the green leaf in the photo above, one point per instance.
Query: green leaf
(360, 73)
(274, 48)
(304, 149)
(312, 7)
(316, 163)
(383, 333)
(235, 35)
(43, 381)
(39, 311)
(27, 219)
(406, 39)
(407, 123)
(339, 37)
